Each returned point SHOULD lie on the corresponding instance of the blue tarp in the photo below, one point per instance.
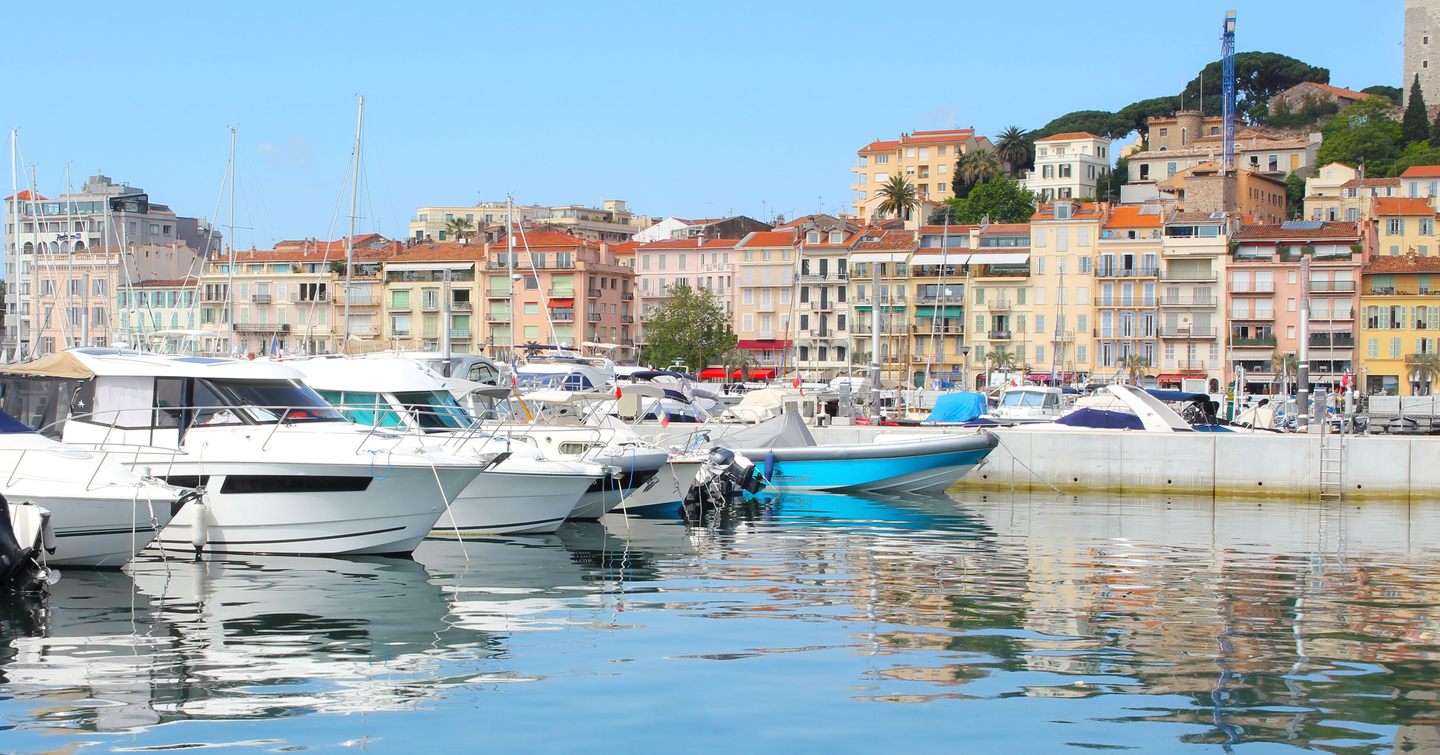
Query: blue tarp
(9, 425)
(957, 407)
(1101, 418)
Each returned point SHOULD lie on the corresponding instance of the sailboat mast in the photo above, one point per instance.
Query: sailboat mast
(350, 237)
(15, 248)
(510, 261)
(230, 247)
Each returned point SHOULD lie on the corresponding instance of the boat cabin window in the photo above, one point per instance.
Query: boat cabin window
(362, 408)
(435, 410)
(1029, 399)
(481, 372)
(257, 401)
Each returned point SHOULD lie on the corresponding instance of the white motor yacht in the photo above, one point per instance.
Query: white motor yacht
(282, 471)
(1029, 403)
(102, 513)
(522, 491)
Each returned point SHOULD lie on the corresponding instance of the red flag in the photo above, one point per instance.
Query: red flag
(617, 391)
(664, 419)
(797, 381)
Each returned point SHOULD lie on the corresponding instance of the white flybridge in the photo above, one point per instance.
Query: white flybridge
(521, 490)
(282, 471)
(101, 513)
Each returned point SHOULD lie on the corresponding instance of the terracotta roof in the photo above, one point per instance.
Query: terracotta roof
(1343, 92)
(1189, 217)
(877, 240)
(939, 137)
(24, 195)
(937, 228)
(1356, 183)
(768, 238)
(188, 280)
(1068, 135)
(1421, 171)
(446, 251)
(688, 244)
(625, 248)
(1403, 263)
(845, 241)
(998, 228)
(1083, 211)
(1403, 206)
(1131, 217)
(880, 146)
(370, 247)
(1340, 230)
(547, 238)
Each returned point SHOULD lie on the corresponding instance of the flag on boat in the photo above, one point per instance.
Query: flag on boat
(617, 392)
(664, 419)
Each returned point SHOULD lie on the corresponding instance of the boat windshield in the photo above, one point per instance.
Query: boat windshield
(435, 410)
(259, 401)
(1025, 398)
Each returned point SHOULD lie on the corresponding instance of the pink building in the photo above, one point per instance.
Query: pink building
(1265, 285)
(698, 263)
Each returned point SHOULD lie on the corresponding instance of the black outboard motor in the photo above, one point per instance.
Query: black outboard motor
(19, 571)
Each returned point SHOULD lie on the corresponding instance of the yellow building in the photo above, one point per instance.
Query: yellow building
(1063, 245)
(997, 288)
(925, 158)
(937, 285)
(765, 269)
(1338, 192)
(1400, 317)
(1404, 225)
(882, 255)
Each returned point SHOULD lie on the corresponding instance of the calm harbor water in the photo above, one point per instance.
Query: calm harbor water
(1015, 623)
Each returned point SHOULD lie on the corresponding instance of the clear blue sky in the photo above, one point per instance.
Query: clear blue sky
(682, 108)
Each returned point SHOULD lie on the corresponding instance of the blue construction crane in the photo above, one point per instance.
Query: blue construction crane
(1227, 56)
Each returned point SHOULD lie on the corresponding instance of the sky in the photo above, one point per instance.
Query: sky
(680, 108)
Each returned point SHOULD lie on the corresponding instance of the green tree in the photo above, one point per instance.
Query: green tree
(1134, 366)
(1258, 77)
(1016, 149)
(1285, 364)
(1435, 131)
(1420, 153)
(1001, 358)
(691, 325)
(1136, 116)
(1425, 368)
(976, 166)
(1415, 126)
(1363, 132)
(899, 197)
(459, 229)
(1000, 199)
(1295, 194)
(1388, 92)
(1118, 177)
(1097, 122)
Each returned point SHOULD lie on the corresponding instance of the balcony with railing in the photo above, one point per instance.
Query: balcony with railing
(394, 305)
(1334, 340)
(1187, 300)
(1252, 342)
(998, 305)
(956, 296)
(1187, 275)
(461, 306)
(627, 319)
(999, 335)
(1332, 287)
(462, 334)
(562, 314)
(260, 298)
(1257, 287)
(592, 317)
(501, 317)
(926, 327)
(1113, 271)
(430, 305)
(627, 296)
(1168, 331)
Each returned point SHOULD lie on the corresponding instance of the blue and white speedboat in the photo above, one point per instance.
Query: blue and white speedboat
(896, 463)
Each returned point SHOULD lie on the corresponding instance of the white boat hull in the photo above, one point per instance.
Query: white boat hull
(669, 488)
(100, 530)
(334, 509)
(506, 503)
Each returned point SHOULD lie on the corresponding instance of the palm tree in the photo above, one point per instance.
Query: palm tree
(1285, 364)
(1134, 366)
(977, 165)
(1016, 148)
(899, 197)
(1001, 357)
(1425, 367)
(459, 229)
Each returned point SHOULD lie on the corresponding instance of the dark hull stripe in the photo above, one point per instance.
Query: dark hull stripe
(97, 533)
(479, 528)
(222, 543)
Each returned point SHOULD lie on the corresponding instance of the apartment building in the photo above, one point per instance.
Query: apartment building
(695, 262)
(1272, 270)
(156, 305)
(1404, 225)
(937, 294)
(766, 263)
(611, 222)
(1195, 247)
(101, 215)
(1064, 239)
(1127, 280)
(1208, 188)
(879, 282)
(292, 297)
(1421, 181)
(570, 291)
(823, 317)
(1339, 192)
(925, 158)
(733, 227)
(73, 303)
(1399, 319)
(997, 283)
(1068, 166)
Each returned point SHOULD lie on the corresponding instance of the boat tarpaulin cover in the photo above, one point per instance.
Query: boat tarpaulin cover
(1101, 418)
(957, 407)
(10, 425)
(59, 365)
(785, 431)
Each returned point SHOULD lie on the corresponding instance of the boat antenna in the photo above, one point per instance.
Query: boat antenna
(350, 237)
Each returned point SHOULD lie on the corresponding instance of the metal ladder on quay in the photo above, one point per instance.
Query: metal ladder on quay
(1332, 463)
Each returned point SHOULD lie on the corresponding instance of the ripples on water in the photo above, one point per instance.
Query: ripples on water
(817, 622)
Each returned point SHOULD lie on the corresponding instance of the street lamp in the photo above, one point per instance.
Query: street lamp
(965, 367)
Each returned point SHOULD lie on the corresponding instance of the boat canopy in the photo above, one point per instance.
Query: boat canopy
(63, 364)
(85, 363)
(1177, 396)
(957, 407)
(1101, 418)
(366, 375)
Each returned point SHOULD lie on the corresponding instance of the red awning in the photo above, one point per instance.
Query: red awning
(766, 344)
(1042, 376)
(713, 373)
(763, 373)
(1175, 377)
(562, 302)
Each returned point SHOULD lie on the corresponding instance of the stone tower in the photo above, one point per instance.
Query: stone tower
(1422, 49)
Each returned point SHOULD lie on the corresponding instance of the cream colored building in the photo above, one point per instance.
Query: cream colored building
(1127, 279)
(1192, 299)
(1064, 237)
(1068, 166)
(823, 319)
(765, 268)
(612, 222)
(925, 158)
(883, 255)
(698, 263)
(1185, 140)
(998, 302)
(937, 290)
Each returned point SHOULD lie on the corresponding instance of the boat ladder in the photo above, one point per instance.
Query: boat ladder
(1332, 463)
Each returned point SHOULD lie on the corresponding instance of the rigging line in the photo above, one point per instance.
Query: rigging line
(204, 258)
(49, 253)
(309, 328)
(548, 321)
